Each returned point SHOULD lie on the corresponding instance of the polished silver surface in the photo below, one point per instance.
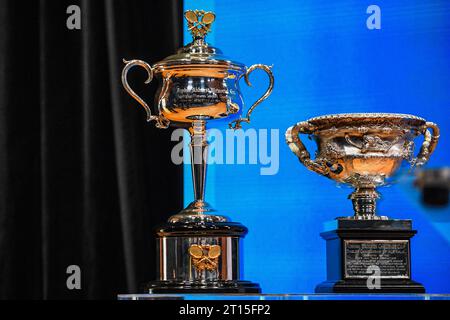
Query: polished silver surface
(439, 177)
(363, 150)
(176, 264)
(287, 296)
(197, 85)
(379, 259)
(198, 210)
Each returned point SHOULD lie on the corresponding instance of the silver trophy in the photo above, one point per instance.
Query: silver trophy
(363, 150)
(199, 249)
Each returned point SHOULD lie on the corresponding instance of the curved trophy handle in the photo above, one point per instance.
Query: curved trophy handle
(161, 122)
(237, 123)
(297, 147)
(428, 145)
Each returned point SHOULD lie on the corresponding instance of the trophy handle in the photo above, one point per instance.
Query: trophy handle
(161, 122)
(298, 148)
(237, 123)
(429, 144)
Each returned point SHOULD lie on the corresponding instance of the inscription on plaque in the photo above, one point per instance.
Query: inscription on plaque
(391, 256)
(189, 92)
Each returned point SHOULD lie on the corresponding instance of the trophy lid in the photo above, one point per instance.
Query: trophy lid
(198, 52)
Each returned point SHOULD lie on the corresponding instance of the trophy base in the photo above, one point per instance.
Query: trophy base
(360, 286)
(183, 287)
(198, 254)
(369, 256)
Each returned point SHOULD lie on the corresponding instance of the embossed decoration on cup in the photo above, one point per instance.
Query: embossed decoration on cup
(363, 150)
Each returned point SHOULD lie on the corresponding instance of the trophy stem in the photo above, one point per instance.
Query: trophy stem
(198, 210)
(364, 204)
(199, 157)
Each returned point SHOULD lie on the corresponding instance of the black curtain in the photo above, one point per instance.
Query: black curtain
(84, 178)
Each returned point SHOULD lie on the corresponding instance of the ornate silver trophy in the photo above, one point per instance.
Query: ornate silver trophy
(198, 248)
(364, 150)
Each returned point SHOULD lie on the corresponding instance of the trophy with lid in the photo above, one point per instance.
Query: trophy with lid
(198, 249)
(365, 252)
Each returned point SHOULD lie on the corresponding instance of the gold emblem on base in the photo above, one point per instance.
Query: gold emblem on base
(205, 257)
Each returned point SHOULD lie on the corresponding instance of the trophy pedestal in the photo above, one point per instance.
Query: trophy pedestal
(200, 257)
(181, 287)
(369, 256)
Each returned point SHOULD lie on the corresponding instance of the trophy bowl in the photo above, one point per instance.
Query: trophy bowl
(197, 83)
(363, 150)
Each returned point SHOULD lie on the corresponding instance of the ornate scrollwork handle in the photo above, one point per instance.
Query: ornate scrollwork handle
(267, 69)
(429, 144)
(298, 148)
(161, 122)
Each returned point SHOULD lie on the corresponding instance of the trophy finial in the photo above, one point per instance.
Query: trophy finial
(199, 22)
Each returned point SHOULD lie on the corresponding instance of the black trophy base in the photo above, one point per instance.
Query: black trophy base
(360, 286)
(183, 287)
(369, 256)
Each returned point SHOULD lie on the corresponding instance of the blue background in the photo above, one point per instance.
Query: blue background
(327, 61)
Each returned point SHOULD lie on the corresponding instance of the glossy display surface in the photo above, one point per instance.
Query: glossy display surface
(284, 297)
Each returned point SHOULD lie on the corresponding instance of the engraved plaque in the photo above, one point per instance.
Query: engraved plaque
(391, 256)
